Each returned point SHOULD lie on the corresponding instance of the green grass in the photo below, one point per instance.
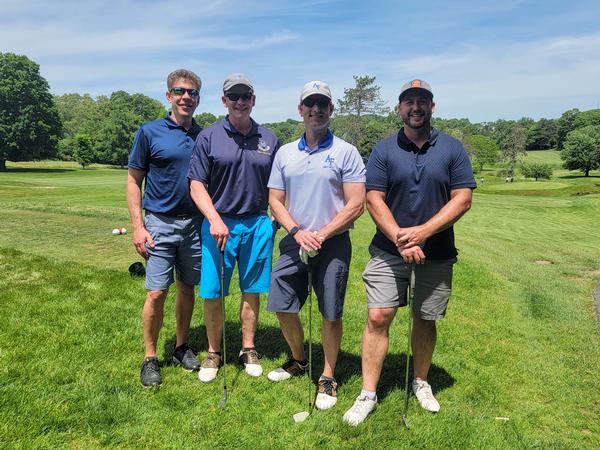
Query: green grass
(551, 157)
(520, 339)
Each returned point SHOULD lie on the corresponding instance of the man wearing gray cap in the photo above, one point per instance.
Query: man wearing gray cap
(419, 183)
(228, 174)
(321, 179)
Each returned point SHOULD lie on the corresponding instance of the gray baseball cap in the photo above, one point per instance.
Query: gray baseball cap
(413, 85)
(315, 87)
(237, 79)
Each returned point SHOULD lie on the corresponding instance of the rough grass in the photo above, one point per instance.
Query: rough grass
(520, 340)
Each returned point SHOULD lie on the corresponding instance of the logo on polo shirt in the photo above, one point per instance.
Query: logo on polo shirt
(329, 162)
(263, 147)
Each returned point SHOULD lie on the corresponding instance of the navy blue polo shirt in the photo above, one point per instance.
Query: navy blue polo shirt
(417, 184)
(163, 150)
(235, 167)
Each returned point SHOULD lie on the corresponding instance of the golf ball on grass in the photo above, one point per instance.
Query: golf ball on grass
(123, 230)
(116, 231)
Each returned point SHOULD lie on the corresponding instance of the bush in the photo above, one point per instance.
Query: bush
(536, 170)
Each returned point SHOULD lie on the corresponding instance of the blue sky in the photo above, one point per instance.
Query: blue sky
(484, 59)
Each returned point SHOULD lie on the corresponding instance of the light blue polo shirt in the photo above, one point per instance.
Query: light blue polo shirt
(313, 178)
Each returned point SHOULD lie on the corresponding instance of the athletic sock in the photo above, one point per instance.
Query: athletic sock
(370, 394)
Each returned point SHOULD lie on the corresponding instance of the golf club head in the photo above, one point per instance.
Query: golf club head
(301, 416)
(222, 402)
(405, 420)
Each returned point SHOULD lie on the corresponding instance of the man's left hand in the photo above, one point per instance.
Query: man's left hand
(411, 237)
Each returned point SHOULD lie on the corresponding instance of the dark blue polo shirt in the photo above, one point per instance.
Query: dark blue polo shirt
(417, 184)
(163, 150)
(235, 167)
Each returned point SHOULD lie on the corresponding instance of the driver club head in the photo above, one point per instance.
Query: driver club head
(301, 416)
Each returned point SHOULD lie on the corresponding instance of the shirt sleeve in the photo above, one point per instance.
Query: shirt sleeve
(376, 174)
(276, 179)
(200, 162)
(353, 170)
(139, 158)
(461, 172)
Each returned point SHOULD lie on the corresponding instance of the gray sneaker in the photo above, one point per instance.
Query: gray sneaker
(150, 373)
(186, 358)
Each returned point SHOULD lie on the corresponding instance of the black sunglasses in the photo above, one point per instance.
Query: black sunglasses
(181, 91)
(235, 97)
(322, 102)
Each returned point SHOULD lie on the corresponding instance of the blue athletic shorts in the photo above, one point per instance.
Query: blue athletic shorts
(176, 245)
(250, 243)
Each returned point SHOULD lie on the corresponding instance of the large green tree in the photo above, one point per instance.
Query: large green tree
(29, 122)
(582, 149)
(364, 99)
(482, 149)
(564, 125)
(79, 115)
(512, 147)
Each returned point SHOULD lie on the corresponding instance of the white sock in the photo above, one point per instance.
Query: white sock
(370, 394)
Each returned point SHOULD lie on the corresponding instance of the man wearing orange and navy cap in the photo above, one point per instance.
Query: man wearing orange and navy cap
(419, 183)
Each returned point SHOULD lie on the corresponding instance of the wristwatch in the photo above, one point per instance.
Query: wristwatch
(294, 230)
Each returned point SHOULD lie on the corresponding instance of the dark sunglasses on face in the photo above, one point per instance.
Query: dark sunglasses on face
(320, 101)
(181, 91)
(235, 97)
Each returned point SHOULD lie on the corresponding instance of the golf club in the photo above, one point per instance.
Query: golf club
(224, 399)
(303, 415)
(410, 295)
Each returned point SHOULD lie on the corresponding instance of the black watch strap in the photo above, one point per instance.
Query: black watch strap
(294, 230)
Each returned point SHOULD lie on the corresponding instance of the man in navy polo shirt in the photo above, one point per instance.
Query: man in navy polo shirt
(229, 171)
(419, 183)
(321, 179)
(169, 234)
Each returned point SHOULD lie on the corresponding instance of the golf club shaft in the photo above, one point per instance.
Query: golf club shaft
(222, 280)
(309, 337)
(410, 299)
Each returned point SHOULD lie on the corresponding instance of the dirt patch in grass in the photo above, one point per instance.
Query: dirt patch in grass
(543, 262)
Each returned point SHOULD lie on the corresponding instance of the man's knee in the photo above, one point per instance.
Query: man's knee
(156, 297)
(185, 289)
(380, 319)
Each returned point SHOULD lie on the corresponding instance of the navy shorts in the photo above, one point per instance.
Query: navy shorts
(329, 269)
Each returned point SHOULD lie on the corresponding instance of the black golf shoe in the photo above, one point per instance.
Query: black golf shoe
(186, 358)
(150, 373)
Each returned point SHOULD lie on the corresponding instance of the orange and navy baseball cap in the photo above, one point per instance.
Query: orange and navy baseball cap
(416, 85)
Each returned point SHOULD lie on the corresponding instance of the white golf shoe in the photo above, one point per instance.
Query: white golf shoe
(327, 395)
(209, 367)
(250, 359)
(290, 368)
(363, 405)
(423, 392)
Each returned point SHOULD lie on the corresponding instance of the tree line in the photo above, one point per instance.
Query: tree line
(36, 125)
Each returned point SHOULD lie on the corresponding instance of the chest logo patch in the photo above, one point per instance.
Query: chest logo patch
(329, 162)
(263, 147)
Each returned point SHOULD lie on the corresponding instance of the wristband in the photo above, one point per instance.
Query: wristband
(294, 230)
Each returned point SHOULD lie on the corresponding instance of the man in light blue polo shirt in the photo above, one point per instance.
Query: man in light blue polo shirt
(321, 179)
(228, 172)
(169, 234)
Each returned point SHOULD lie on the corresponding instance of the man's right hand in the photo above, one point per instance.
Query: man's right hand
(219, 232)
(140, 237)
(412, 255)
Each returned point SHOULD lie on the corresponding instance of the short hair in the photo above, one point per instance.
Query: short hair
(183, 74)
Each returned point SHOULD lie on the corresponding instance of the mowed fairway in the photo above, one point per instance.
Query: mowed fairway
(517, 363)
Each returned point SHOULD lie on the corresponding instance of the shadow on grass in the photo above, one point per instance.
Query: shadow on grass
(36, 170)
(271, 345)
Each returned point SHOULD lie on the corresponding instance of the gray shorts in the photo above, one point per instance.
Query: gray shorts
(177, 245)
(329, 269)
(387, 276)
